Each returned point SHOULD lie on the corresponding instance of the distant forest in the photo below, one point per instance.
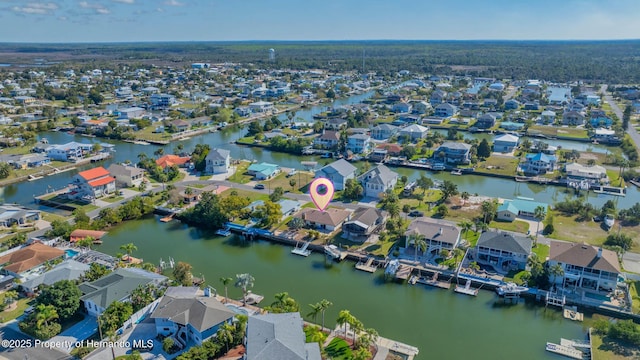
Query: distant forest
(561, 61)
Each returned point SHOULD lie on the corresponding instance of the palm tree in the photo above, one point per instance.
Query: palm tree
(225, 281)
(539, 214)
(142, 157)
(418, 243)
(555, 271)
(158, 152)
(44, 314)
(315, 310)
(480, 226)
(344, 318)
(86, 242)
(244, 281)
(393, 209)
(623, 164)
(225, 333)
(369, 337)
(466, 226)
(324, 305)
(128, 249)
(356, 327)
(10, 296)
(464, 196)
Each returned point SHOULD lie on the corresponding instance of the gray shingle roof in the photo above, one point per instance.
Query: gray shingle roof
(67, 270)
(342, 167)
(380, 174)
(366, 215)
(278, 336)
(456, 145)
(431, 231)
(117, 285)
(117, 169)
(506, 242)
(585, 256)
(218, 154)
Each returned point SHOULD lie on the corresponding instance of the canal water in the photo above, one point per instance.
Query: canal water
(443, 324)
(23, 193)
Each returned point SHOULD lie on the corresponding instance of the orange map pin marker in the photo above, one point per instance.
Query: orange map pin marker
(321, 191)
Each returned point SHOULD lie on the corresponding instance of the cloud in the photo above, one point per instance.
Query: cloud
(36, 8)
(125, 1)
(173, 3)
(99, 9)
(160, 10)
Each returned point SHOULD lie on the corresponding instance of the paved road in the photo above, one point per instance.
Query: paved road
(616, 109)
(7, 332)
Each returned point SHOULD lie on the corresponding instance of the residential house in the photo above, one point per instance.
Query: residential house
(359, 143)
(116, 286)
(126, 176)
(438, 97)
(485, 121)
(131, 113)
(335, 123)
(338, 172)
(600, 121)
(606, 136)
(414, 132)
(437, 236)
(287, 207)
(25, 161)
(559, 95)
(180, 125)
(505, 143)
(511, 104)
(573, 118)
(17, 215)
(72, 151)
(577, 171)
(364, 222)
(328, 140)
(169, 160)
(509, 210)
(392, 149)
(453, 153)
(401, 107)
(330, 219)
(531, 105)
(378, 180)
(79, 234)
(586, 267)
(383, 131)
(28, 260)
(421, 107)
(261, 106)
(278, 336)
(548, 117)
(162, 101)
(263, 171)
(66, 270)
(217, 161)
(190, 315)
(445, 110)
(539, 163)
(92, 184)
(503, 251)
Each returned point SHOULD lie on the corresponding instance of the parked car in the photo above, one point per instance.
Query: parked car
(259, 186)
(416, 213)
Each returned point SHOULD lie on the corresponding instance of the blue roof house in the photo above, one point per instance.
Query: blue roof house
(521, 207)
(539, 163)
(263, 171)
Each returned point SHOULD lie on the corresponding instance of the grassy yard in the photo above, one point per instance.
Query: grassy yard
(603, 349)
(149, 134)
(338, 349)
(301, 178)
(516, 226)
(567, 228)
(614, 178)
(23, 303)
(240, 176)
(503, 165)
(542, 251)
(429, 196)
(253, 196)
(76, 204)
(112, 199)
(634, 290)
(46, 216)
(559, 131)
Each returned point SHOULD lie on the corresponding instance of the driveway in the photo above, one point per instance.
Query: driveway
(31, 352)
(631, 262)
(142, 331)
(78, 332)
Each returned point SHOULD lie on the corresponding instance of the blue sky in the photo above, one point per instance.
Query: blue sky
(222, 20)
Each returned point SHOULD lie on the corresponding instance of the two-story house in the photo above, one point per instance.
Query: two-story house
(378, 180)
(505, 143)
(359, 143)
(573, 118)
(503, 251)
(328, 140)
(92, 184)
(485, 121)
(126, 176)
(278, 336)
(437, 236)
(586, 267)
(539, 163)
(217, 161)
(364, 222)
(453, 153)
(383, 131)
(445, 110)
(338, 172)
(414, 132)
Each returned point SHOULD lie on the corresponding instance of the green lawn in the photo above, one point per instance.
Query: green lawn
(503, 165)
(634, 290)
(614, 178)
(338, 349)
(381, 248)
(472, 238)
(46, 216)
(253, 196)
(23, 303)
(302, 179)
(112, 199)
(429, 196)
(603, 350)
(516, 226)
(149, 134)
(76, 204)
(569, 132)
(542, 251)
(591, 232)
(240, 175)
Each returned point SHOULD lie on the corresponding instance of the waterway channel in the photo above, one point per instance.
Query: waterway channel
(24, 192)
(443, 324)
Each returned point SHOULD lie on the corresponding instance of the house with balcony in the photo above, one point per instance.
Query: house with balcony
(401, 107)
(92, 184)
(359, 143)
(329, 140)
(71, 151)
(421, 107)
(218, 161)
(586, 267)
(539, 163)
(17, 215)
(414, 132)
(503, 251)
(261, 106)
(437, 236)
(278, 336)
(126, 176)
(378, 180)
(438, 97)
(338, 172)
(190, 315)
(445, 110)
(505, 143)
(548, 117)
(453, 153)
(383, 131)
(485, 121)
(573, 118)
(593, 173)
(364, 222)
(162, 101)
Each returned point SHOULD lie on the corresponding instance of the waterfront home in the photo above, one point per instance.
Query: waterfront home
(445, 110)
(188, 314)
(116, 286)
(29, 260)
(379, 155)
(242, 111)
(437, 236)
(577, 171)
(263, 171)
(432, 120)
(605, 135)
(359, 143)
(25, 161)
(548, 117)
(261, 106)
(131, 113)
(539, 163)
(600, 121)
(559, 95)
(278, 336)
(66, 270)
(329, 220)
(401, 107)
(485, 121)
(364, 222)
(170, 160)
(453, 153)
(17, 215)
(335, 123)
(378, 180)
(503, 251)
(217, 161)
(392, 149)
(162, 101)
(338, 172)
(71, 151)
(126, 176)
(287, 207)
(509, 210)
(92, 184)
(383, 131)
(438, 97)
(329, 140)
(179, 125)
(586, 267)
(505, 143)
(421, 107)
(511, 104)
(573, 118)
(414, 132)
(531, 105)
(511, 126)
(79, 234)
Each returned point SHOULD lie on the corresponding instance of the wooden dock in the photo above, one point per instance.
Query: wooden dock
(166, 219)
(433, 281)
(466, 289)
(571, 313)
(404, 271)
(367, 266)
(567, 351)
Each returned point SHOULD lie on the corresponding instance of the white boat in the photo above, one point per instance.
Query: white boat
(510, 289)
(565, 350)
(392, 267)
(609, 220)
(456, 172)
(332, 251)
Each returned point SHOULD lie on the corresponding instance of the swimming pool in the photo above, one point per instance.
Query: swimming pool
(596, 296)
(237, 309)
(71, 253)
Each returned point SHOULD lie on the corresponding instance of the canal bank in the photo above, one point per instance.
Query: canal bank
(442, 324)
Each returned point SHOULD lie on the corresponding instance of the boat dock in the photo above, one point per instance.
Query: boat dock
(567, 351)
(303, 250)
(404, 271)
(253, 299)
(571, 313)
(466, 289)
(166, 219)
(433, 281)
(367, 266)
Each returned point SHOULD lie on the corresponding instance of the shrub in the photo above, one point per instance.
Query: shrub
(548, 229)
(168, 345)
